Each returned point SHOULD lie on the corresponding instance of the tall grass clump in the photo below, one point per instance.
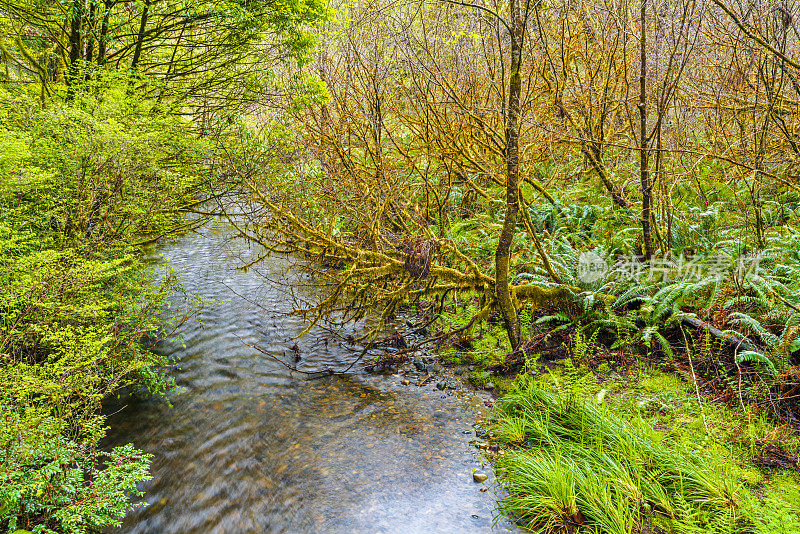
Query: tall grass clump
(582, 467)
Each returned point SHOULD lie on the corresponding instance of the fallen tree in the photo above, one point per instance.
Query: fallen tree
(369, 268)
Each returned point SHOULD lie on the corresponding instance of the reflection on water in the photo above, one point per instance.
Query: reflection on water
(249, 447)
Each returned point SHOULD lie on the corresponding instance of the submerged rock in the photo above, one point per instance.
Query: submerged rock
(479, 477)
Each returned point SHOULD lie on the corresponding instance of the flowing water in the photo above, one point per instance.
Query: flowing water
(248, 446)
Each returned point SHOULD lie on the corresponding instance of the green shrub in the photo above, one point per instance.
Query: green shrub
(79, 184)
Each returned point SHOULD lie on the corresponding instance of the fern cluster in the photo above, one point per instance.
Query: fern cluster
(753, 295)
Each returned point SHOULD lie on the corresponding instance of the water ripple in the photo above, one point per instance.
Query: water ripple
(249, 447)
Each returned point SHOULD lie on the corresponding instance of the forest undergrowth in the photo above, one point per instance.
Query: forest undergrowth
(594, 204)
(107, 111)
(521, 176)
(620, 415)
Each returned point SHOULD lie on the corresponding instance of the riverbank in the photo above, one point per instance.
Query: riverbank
(80, 182)
(632, 425)
(744, 460)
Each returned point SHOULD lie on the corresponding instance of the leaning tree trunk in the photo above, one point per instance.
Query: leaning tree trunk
(505, 300)
(140, 36)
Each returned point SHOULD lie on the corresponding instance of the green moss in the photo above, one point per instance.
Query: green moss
(479, 379)
(504, 385)
(488, 342)
(666, 386)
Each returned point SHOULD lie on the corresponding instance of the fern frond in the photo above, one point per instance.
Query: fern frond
(742, 319)
(758, 358)
(559, 317)
(665, 346)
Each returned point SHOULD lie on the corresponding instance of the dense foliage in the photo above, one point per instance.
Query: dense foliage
(194, 58)
(645, 188)
(79, 185)
(517, 172)
(104, 105)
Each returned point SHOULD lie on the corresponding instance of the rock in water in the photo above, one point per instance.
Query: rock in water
(479, 477)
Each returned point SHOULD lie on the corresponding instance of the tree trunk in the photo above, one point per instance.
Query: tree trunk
(595, 156)
(76, 15)
(505, 299)
(101, 41)
(137, 53)
(644, 170)
(91, 21)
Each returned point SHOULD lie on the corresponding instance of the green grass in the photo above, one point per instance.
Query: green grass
(577, 464)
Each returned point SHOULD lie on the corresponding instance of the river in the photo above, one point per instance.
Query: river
(248, 446)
